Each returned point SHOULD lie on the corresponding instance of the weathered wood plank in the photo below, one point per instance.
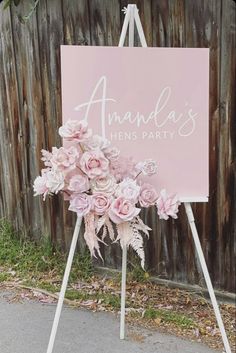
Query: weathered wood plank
(30, 112)
(226, 200)
(13, 171)
(76, 22)
(51, 36)
(104, 22)
(202, 30)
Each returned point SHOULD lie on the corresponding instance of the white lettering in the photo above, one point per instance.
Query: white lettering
(160, 117)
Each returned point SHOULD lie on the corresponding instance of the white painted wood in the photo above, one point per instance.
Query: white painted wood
(193, 199)
(124, 28)
(123, 293)
(64, 285)
(132, 11)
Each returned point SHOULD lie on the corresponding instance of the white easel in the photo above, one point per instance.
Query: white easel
(131, 18)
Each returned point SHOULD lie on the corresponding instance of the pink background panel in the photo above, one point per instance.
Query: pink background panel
(151, 103)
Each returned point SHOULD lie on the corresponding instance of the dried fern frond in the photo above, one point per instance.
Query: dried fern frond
(90, 236)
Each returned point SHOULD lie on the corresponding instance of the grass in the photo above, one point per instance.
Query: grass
(111, 300)
(31, 260)
(170, 317)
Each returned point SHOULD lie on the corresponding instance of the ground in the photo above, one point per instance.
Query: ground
(33, 272)
(25, 328)
(158, 308)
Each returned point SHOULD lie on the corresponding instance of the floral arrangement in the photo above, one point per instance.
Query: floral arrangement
(104, 187)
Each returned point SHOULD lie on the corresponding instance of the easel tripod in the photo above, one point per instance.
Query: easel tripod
(132, 18)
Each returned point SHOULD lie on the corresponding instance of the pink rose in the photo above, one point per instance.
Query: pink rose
(63, 158)
(167, 206)
(74, 130)
(94, 164)
(78, 183)
(129, 189)
(122, 210)
(148, 195)
(148, 167)
(100, 203)
(81, 204)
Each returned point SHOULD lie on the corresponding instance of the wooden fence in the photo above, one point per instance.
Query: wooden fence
(30, 113)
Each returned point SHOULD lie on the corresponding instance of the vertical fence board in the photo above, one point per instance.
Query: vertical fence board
(202, 30)
(31, 117)
(76, 22)
(226, 253)
(104, 22)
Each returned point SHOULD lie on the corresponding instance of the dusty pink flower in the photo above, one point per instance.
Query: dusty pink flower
(148, 195)
(129, 189)
(64, 158)
(111, 153)
(40, 186)
(74, 130)
(81, 204)
(94, 164)
(123, 167)
(167, 206)
(100, 203)
(46, 158)
(148, 167)
(96, 142)
(122, 210)
(105, 185)
(78, 183)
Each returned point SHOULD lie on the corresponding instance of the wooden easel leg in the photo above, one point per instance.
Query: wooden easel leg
(123, 293)
(201, 257)
(64, 285)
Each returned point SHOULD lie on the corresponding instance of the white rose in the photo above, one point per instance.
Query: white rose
(55, 181)
(149, 167)
(128, 189)
(96, 142)
(112, 153)
(104, 185)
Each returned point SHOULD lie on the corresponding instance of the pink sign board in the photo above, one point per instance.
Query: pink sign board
(150, 103)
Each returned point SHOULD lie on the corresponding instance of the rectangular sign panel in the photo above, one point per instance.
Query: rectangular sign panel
(150, 103)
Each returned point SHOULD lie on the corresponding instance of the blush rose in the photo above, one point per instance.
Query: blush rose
(64, 159)
(148, 195)
(167, 206)
(74, 130)
(122, 210)
(81, 204)
(78, 183)
(100, 203)
(94, 164)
